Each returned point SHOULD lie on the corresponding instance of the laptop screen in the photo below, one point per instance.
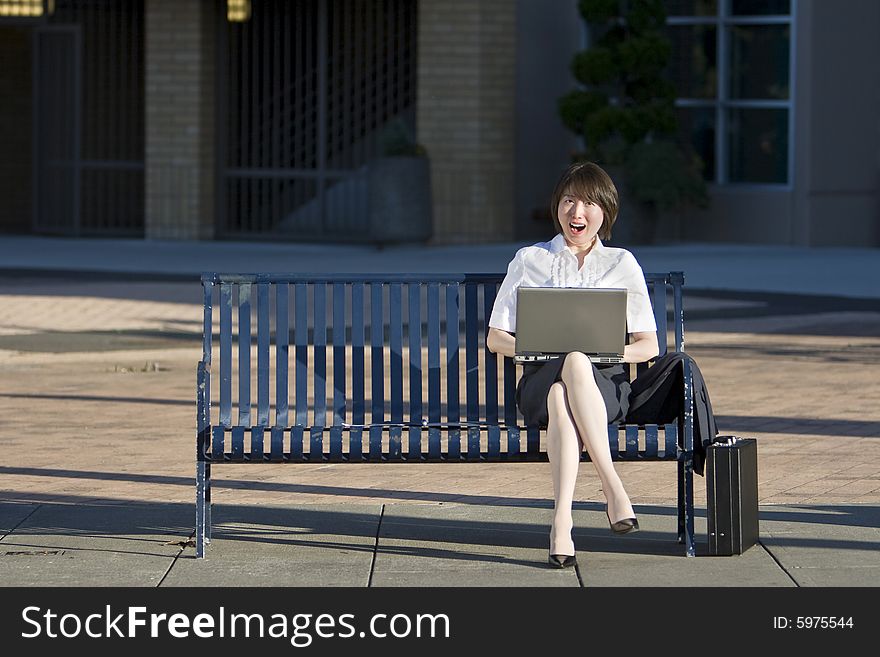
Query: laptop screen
(557, 320)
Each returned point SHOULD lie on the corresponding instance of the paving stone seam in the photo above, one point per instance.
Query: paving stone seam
(176, 557)
(580, 576)
(375, 548)
(778, 563)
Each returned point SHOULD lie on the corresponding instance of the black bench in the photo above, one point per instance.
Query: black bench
(330, 344)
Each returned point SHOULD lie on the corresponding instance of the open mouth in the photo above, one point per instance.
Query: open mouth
(577, 228)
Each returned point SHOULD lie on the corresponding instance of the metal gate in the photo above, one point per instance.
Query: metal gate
(89, 119)
(304, 91)
(56, 202)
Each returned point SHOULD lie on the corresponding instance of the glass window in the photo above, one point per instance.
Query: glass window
(757, 145)
(760, 7)
(693, 65)
(759, 61)
(731, 64)
(691, 7)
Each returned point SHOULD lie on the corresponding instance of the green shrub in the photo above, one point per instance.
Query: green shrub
(625, 111)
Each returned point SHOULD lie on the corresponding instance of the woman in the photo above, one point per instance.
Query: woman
(573, 398)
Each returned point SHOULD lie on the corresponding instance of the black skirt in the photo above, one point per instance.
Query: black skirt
(534, 385)
(654, 397)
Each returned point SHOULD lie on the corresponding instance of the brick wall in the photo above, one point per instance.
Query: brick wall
(179, 119)
(465, 115)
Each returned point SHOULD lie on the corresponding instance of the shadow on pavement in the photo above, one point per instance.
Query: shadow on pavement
(520, 525)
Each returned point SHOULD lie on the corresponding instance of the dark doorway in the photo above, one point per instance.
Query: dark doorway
(86, 119)
(15, 129)
(57, 102)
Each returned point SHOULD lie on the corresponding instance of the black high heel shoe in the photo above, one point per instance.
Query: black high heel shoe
(625, 526)
(563, 560)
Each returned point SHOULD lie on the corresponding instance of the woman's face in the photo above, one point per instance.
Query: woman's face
(580, 220)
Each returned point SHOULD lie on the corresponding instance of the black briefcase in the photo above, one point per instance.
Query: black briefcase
(732, 494)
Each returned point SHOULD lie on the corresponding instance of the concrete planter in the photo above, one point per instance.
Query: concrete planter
(400, 199)
(636, 221)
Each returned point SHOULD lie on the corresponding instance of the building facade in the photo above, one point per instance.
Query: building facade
(265, 119)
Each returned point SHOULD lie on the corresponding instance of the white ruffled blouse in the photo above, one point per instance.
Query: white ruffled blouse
(552, 264)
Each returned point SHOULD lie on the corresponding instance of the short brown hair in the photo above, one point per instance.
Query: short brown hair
(588, 182)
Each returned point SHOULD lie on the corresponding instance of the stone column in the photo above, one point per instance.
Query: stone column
(465, 115)
(179, 115)
(837, 145)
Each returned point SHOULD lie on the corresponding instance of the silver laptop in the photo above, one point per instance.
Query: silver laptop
(553, 321)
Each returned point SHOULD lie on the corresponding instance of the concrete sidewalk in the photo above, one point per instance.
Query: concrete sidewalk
(97, 417)
(432, 544)
(846, 272)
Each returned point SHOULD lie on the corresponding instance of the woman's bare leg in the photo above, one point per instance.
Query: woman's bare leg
(564, 452)
(591, 421)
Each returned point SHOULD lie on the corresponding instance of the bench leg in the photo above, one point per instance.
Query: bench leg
(681, 523)
(686, 463)
(202, 507)
(686, 506)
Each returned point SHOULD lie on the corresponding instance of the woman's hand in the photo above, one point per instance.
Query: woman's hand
(643, 348)
(501, 342)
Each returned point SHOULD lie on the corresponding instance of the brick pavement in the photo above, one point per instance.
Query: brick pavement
(92, 414)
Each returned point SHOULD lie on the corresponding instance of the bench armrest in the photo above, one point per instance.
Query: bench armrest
(688, 410)
(203, 408)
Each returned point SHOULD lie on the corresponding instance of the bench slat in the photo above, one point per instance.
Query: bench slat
(301, 370)
(276, 454)
(533, 441)
(510, 410)
(282, 353)
(670, 439)
(263, 354)
(453, 339)
(491, 377)
(319, 370)
(217, 434)
(472, 369)
(339, 373)
(358, 408)
(244, 354)
(414, 450)
(226, 355)
(631, 434)
(433, 318)
(377, 356)
(651, 445)
(238, 443)
(395, 308)
(257, 451)
(301, 341)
